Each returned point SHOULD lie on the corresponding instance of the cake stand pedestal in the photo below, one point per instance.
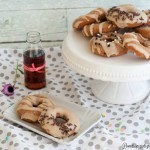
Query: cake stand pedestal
(118, 80)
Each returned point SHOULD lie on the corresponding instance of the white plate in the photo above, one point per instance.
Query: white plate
(88, 118)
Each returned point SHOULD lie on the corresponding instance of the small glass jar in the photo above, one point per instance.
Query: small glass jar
(34, 62)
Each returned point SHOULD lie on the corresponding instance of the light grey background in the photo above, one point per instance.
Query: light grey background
(52, 18)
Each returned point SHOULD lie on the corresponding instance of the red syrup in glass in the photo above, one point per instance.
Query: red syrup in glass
(36, 79)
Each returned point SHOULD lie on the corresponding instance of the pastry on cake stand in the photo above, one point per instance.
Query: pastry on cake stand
(117, 80)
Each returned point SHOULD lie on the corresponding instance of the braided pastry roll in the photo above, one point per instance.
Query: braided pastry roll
(95, 28)
(95, 15)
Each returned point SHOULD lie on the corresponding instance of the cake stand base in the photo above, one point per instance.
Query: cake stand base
(120, 92)
(118, 80)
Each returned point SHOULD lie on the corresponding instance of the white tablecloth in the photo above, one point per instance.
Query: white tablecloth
(121, 126)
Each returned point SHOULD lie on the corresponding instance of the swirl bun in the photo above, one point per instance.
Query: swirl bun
(137, 44)
(126, 16)
(147, 12)
(95, 15)
(60, 129)
(96, 28)
(30, 107)
(144, 31)
(107, 45)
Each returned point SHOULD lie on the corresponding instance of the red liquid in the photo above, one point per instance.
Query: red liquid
(34, 80)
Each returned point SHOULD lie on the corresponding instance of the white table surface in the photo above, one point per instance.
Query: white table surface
(127, 125)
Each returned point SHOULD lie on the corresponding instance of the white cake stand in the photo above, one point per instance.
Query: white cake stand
(118, 80)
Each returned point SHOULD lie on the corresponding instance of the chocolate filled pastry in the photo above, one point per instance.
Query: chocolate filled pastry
(108, 45)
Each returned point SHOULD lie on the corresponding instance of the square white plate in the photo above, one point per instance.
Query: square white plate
(88, 118)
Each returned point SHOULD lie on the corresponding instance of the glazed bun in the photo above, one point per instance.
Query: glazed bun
(126, 16)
